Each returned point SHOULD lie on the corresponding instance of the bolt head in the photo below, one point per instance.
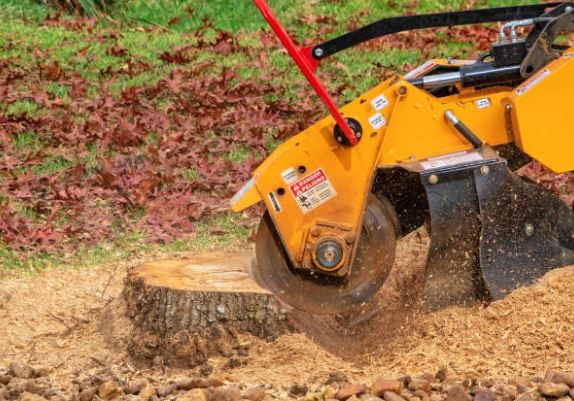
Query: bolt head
(485, 170)
(339, 139)
(529, 229)
(349, 238)
(329, 254)
(402, 90)
(315, 232)
(433, 179)
(318, 52)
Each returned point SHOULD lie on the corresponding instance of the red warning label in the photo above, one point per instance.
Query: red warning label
(312, 190)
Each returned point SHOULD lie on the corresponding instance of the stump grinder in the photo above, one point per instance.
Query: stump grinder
(437, 146)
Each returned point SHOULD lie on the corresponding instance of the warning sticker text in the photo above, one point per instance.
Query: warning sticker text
(312, 190)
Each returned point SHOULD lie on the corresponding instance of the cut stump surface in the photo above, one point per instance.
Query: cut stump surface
(184, 311)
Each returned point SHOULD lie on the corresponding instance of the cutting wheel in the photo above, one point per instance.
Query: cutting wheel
(319, 293)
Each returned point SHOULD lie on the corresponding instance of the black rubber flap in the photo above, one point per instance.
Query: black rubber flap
(526, 231)
(491, 232)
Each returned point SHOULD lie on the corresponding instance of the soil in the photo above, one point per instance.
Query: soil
(71, 324)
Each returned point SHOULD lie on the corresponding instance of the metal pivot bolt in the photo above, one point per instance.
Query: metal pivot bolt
(433, 179)
(485, 170)
(318, 52)
(529, 229)
(329, 254)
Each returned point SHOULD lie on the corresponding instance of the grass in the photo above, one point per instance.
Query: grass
(225, 231)
(20, 108)
(95, 54)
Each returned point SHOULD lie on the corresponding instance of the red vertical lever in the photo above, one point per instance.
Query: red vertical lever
(307, 64)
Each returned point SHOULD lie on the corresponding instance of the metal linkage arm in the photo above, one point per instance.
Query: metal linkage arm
(411, 22)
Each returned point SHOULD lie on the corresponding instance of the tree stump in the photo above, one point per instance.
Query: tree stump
(185, 311)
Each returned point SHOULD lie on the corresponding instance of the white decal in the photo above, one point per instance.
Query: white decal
(417, 72)
(248, 185)
(451, 160)
(377, 121)
(289, 175)
(462, 62)
(312, 191)
(483, 103)
(568, 55)
(532, 82)
(380, 102)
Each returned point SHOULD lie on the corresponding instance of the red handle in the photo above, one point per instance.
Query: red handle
(307, 64)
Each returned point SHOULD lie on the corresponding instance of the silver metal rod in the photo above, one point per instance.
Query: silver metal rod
(435, 81)
(451, 117)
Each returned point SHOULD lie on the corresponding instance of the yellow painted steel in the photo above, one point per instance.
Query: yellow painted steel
(418, 130)
(541, 114)
(414, 129)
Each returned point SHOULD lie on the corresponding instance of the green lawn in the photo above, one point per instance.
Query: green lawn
(127, 52)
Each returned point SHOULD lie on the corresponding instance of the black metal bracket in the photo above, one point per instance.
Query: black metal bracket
(388, 26)
(542, 50)
(491, 232)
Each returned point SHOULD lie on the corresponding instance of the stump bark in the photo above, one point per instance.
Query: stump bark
(185, 311)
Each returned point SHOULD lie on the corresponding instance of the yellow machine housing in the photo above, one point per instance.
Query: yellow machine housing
(402, 126)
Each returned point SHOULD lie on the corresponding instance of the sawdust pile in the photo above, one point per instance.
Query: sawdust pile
(57, 319)
(523, 335)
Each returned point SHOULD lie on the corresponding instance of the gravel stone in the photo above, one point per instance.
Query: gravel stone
(319, 397)
(329, 392)
(349, 389)
(441, 374)
(164, 391)
(421, 394)
(563, 377)
(382, 385)
(147, 392)
(392, 396)
(135, 386)
(298, 389)
(5, 379)
(488, 383)
(555, 390)
(108, 390)
(226, 393)
(190, 384)
(31, 397)
(88, 394)
(506, 391)
(41, 372)
(196, 394)
(457, 393)
(484, 395)
(20, 370)
(40, 387)
(525, 397)
(369, 397)
(420, 384)
(521, 388)
(254, 393)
